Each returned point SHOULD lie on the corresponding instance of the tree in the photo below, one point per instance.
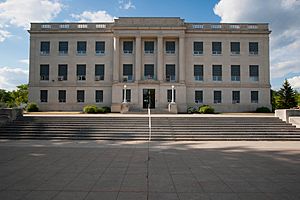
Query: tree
(286, 96)
(14, 98)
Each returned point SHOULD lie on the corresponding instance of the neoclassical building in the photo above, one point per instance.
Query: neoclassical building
(77, 64)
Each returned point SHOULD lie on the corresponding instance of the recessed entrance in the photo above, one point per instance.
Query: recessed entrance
(149, 98)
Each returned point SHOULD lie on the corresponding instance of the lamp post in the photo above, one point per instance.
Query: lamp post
(124, 100)
(172, 101)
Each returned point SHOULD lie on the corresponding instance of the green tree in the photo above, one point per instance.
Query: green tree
(4, 96)
(20, 95)
(286, 96)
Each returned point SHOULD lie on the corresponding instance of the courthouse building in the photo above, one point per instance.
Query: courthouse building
(77, 64)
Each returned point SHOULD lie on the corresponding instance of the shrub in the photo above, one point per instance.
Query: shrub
(90, 109)
(32, 107)
(206, 109)
(192, 109)
(263, 110)
(106, 109)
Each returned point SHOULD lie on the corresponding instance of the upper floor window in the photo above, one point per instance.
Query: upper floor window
(45, 48)
(254, 96)
(149, 71)
(254, 72)
(170, 47)
(62, 72)
(44, 95)
(127, 47)
(99, 96)
(99, 72)
(81, 47)
(128, 95)
(63, 48)
(198, 72)
(217, 72)
(235, 97)
(44, 72)
(81, 72)
(235, 48)
(170, 73)
(62, 96)
(100, 47)
(198, 96)
(235, 73)
(217, 96)
(169, 95)
(80, 96)
(216, 48)
(198, 48)
(253, 48)
(149, 47)
(127, 73)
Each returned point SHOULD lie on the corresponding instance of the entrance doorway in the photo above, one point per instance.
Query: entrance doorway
(149, 98)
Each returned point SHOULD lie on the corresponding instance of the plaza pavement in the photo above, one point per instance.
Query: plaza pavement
(90, 170)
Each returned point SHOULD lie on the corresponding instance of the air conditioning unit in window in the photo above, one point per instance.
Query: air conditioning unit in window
(99, 78)
(198, 101)
(125, 78)
(235, 101)
(60, 78)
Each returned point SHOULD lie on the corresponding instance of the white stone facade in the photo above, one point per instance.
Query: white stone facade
(56, 44)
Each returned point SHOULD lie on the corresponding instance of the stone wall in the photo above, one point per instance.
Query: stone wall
(8, 115)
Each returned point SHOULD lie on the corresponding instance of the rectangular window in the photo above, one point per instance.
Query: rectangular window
(81, 72)
(217, 72)
(149, 47)
(100, 47)
(170, 47)
(235, 73)
(149, 71)
(198, 96)
(198, 72)
(44, 72)
(127, 47)
(198, 48)
(99, 72)
(63, 48)
(80, 96)
(81, 47)
(62, 72)
(254, 96)
(235, 97)
(216, 48)
(128, 95)
(217, 97)
(170, 73)
(235, 48)
(45, 48)
(44, 95)
(62, 96)
(127, 73)
(169, 95)
(253, 48)
(99, 96)
(253, 72)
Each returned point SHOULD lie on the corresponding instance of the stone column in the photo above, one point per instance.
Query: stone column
(116, 61)
(138, 58)
(181, 60)
(160, 59)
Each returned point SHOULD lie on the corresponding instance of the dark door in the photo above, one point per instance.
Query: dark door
(149, 98)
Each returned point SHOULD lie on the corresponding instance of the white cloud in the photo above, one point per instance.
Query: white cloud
(12, 77)
(4, 34)
(89, 16)
(295, 82)
(24, 61)
(284, 19)
(126, 4)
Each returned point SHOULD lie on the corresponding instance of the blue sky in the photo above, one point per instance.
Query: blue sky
(283, 16)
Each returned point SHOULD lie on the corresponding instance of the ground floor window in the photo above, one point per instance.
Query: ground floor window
(254, 96)
(80, 96)
(217, 96)
(128, 95)
(44, 96)
(62, 96)
(198, 96)
(99, 96)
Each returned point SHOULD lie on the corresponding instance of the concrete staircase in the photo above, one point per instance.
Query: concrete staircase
(168, 128)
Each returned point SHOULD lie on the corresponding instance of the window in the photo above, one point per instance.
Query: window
(170, 47)
(100, 48)
(100, 25)
(169, 95)
(99, 96)
(254, 73)
(217, 72)
(81, 72)
(198, 96)
(127, 73)
(216, 48)
(254, 96)
(44, 96)
(235, 97)
(253, 48)
(45, 48)
(149, 71)
(235, 73)
(235, 48)
(217, 97)
(63, 48)
(62, 72)
(149, 47)
(127, 47)
(170, 73)
(99, 72)
(198, 72)
(44, 72)
(64, 26)
(80, 96)
(81, 47)
(62, 96)
(198, 48)
(128, 95)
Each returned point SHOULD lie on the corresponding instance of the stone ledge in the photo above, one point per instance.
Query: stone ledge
(285, 114)
(8, 115)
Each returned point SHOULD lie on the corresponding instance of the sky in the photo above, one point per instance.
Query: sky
(282, 15)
